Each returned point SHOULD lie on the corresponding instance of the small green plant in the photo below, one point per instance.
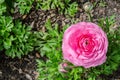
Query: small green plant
(51, 46)
(48, 39)
(64, 7)
(16, 39)
(24, 6)
(72, 9)
(102, 3)
(2, 7)
(113, 55)
(5, 28)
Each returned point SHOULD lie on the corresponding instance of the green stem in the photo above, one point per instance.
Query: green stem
(90, 17)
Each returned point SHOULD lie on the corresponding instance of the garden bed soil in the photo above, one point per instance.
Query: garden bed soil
(25, 68)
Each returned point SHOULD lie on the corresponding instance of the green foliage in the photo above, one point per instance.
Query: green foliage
(24, 6)
(5, 29)
(72, 9)
(2, 7)
(48, 39)
(102, 3)
(63, 6)
(16, 39)
(113, 56)
(50, 47)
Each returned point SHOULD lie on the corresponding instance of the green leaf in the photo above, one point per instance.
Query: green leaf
(7, 44)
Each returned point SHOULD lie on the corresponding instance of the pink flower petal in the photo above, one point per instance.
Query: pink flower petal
(85, 44)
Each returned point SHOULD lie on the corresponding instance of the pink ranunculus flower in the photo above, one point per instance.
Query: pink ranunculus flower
(85, 44)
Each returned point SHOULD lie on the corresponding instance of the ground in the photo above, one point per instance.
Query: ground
(25, 68)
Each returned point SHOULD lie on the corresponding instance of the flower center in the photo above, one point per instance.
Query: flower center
(86, 42)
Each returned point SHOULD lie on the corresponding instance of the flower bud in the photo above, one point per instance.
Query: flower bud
(88, 6)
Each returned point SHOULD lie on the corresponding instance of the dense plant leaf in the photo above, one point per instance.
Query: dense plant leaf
(24, 5)
(16, 39)
(2, 7)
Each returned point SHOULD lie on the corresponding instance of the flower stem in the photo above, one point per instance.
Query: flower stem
(89, 16)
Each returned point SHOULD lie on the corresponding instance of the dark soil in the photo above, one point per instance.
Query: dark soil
(25, 68)
(18, 69)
